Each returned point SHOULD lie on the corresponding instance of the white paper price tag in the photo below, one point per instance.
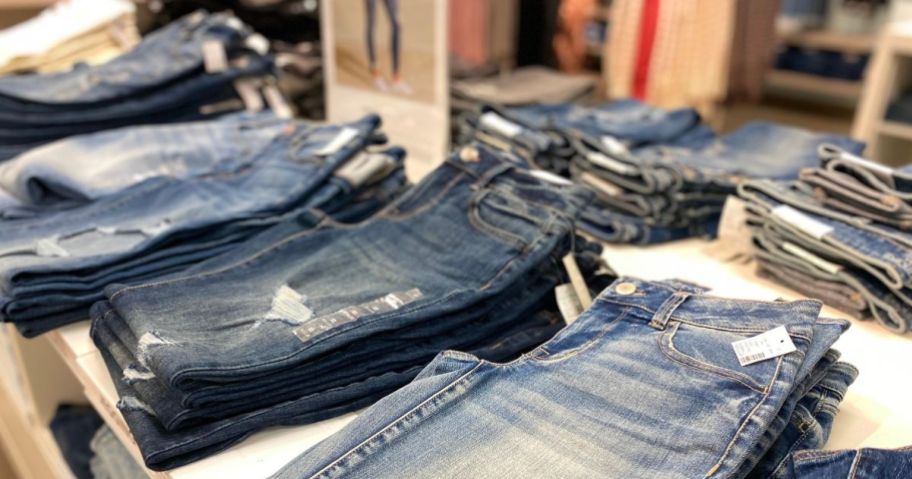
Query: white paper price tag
(803, 222)
(341, 139)
(500, 124)
(568, 302)
(761, 347)
(214, 57)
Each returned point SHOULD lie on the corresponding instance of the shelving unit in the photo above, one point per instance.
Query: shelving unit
(259, 456)
(817, 85)
(889, 75)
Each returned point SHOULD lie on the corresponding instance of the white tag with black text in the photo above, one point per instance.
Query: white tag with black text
(214, 57)
(277, 102)
(568, 302)
(770, 344)
(249, 91)
(341, 139)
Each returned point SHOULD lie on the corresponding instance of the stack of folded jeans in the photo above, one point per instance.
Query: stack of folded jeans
(80, 169)
(312, 319)
(200, 66)
(54, 265)
(658, 175)
(646, 383)
(110, 459)
(841, 233)
(72, 427)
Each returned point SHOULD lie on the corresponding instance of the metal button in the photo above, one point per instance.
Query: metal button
(469, 154)
(625, 288)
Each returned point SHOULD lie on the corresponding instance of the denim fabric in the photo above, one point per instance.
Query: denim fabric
(189, 96)
(500, 226)
(858, 186)
(62, 260)
(756, 150)
(614, 227)
(867, 463)
(680, 191)
(885, 259)
(833, 293)
(72, 428)
(37, 109)
(111, 459)
(632, 122)
(514, 219)
(697, 414)
(792, 252)
(84, 168)
(810, 424)
(164, 56)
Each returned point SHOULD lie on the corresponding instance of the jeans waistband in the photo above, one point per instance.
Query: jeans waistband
(658, 303)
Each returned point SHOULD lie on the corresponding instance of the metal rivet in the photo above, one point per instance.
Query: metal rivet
(625, 288)
(469, 154)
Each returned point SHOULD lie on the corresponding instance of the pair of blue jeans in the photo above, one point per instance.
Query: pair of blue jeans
(644, 383)
(61, 261)
(793, 228)
(80, 169)
(684, 188)
(336, 316)
(162, 80)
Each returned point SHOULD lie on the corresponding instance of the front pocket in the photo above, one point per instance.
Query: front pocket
(710, 350)
(507, 218)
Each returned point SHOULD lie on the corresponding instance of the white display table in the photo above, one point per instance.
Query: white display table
(875, 413)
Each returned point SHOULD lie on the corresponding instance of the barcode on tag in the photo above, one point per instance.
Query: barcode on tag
(770, 344)
(214, 57)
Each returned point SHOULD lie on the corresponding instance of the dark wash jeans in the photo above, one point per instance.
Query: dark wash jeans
(163, 57)
(163, 223)
(485, 219)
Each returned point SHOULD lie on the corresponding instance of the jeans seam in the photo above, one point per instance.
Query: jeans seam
(567, 354)
(396, 421)
(666, 345)
(764, 397)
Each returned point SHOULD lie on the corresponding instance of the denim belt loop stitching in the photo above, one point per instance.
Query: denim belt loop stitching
(492, 173)
(663, 314)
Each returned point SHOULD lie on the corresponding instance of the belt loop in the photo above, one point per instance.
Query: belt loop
(492, 173)
(660, 319)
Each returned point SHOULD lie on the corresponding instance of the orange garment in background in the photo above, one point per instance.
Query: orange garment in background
(469, 30)
(570, 39)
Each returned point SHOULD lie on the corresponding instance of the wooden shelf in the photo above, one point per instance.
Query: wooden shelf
(813, 84)
(259, 456)
(829, 40)
(896, 129)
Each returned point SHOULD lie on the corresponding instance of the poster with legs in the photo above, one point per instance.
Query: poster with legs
(390, 57)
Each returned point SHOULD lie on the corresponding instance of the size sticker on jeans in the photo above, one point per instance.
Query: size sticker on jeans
(390, 302)
(770, 344)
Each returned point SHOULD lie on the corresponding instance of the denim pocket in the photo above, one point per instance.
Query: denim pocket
(710, 350)
(507, 218)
